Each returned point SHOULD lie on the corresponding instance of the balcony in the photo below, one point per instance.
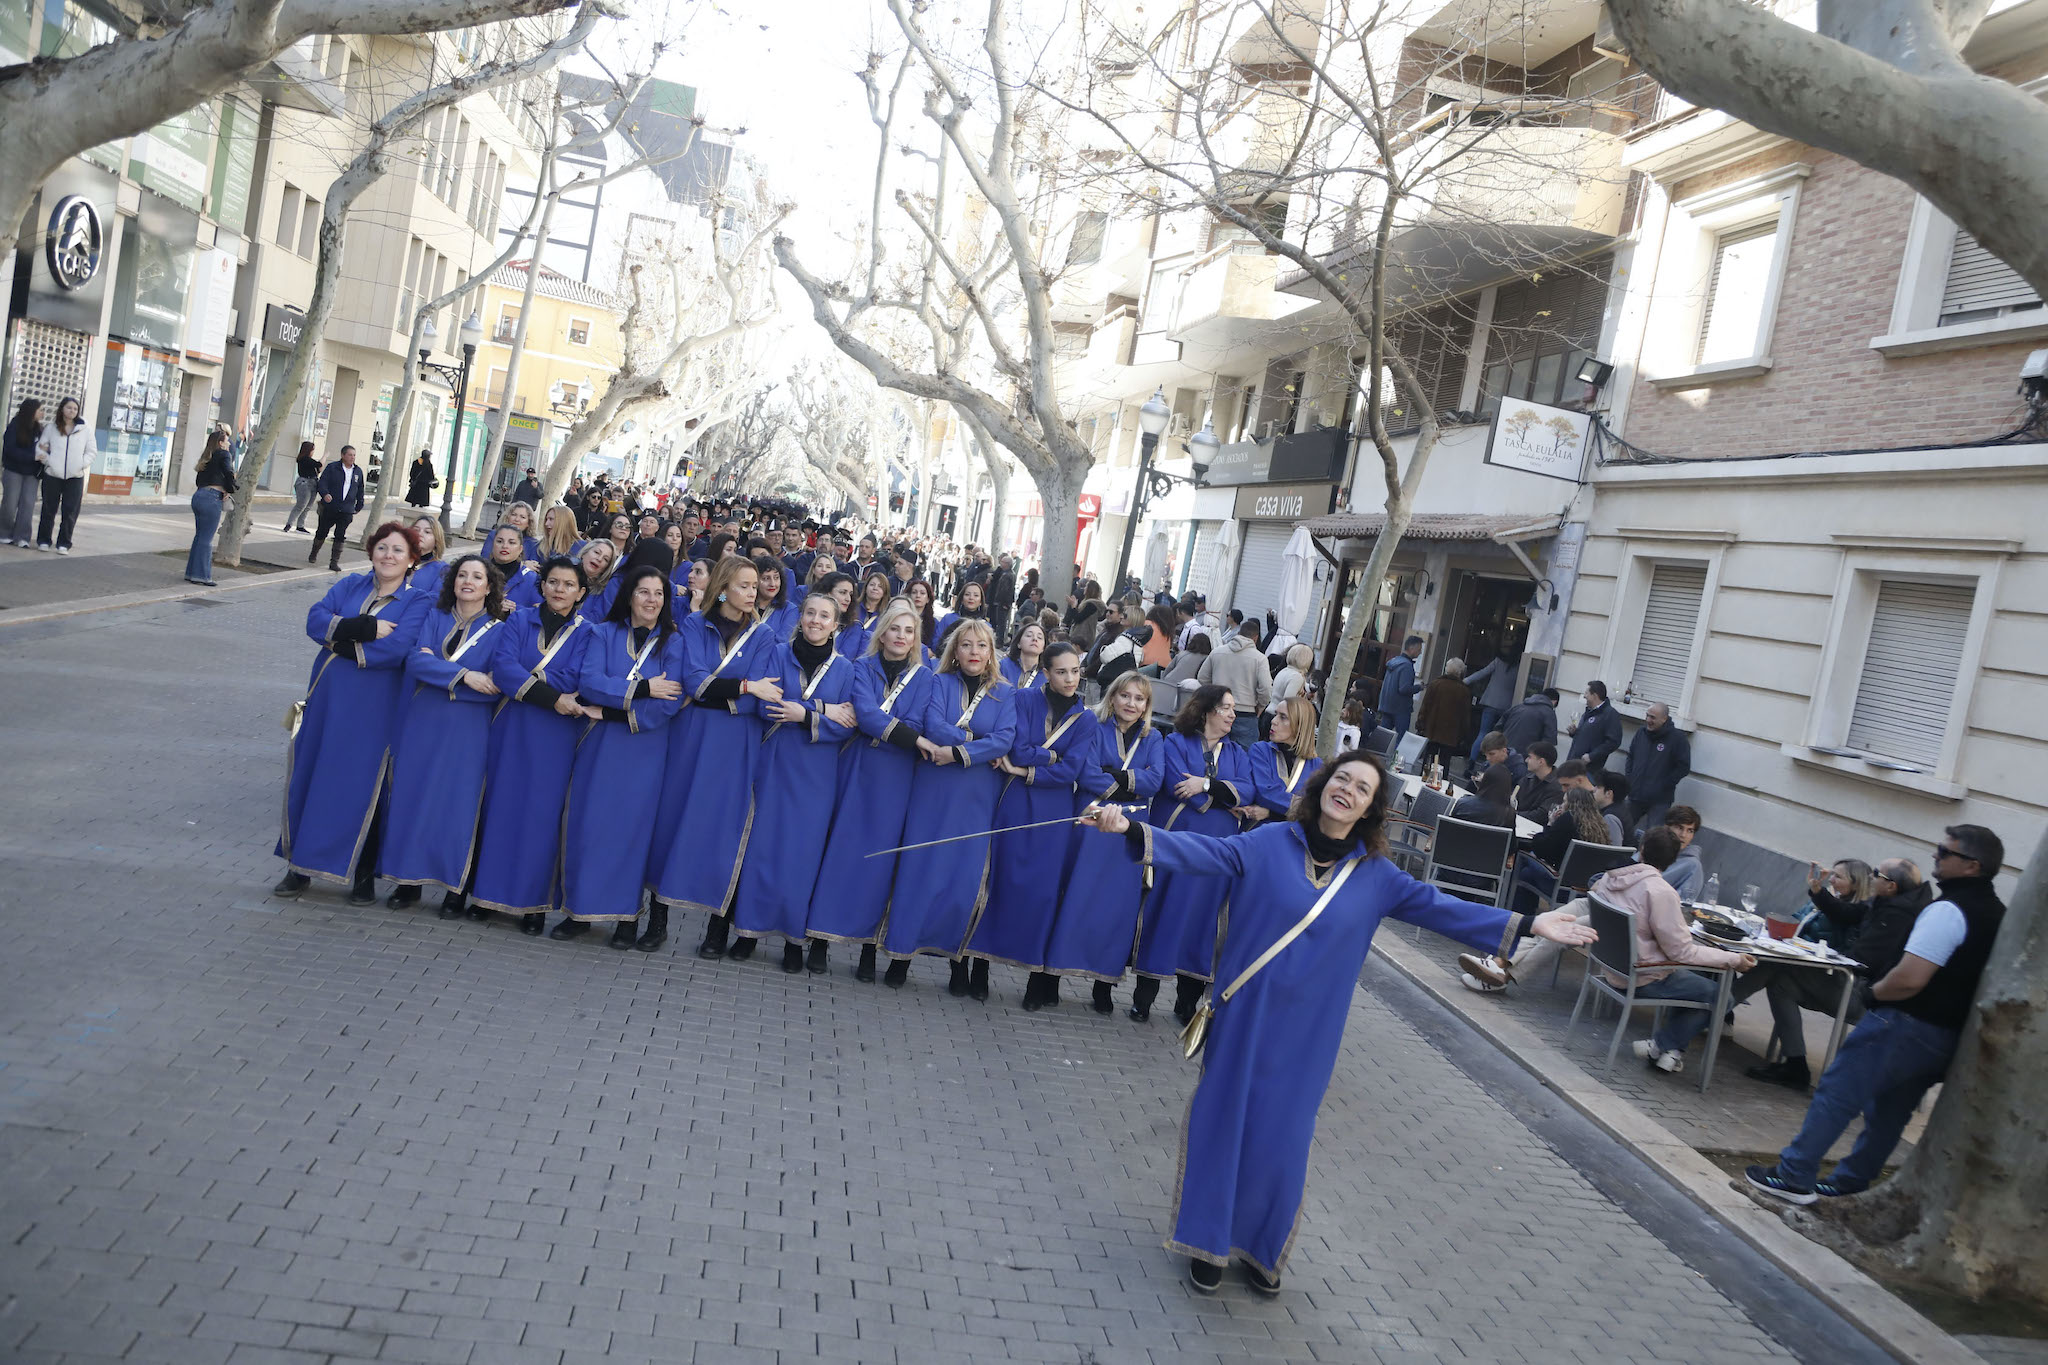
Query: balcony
(1110, 343)
(1227, 298)
(1257, 131)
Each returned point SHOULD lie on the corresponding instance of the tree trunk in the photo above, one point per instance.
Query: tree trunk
(1968, 1210)
(1059, 496)
(496, 448)
(402, 404)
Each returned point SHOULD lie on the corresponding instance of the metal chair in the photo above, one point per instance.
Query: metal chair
(1470, 860)
(1409, 841)
(1583, 864)
(1615, 950)
(1408, 752)
(1381, 742)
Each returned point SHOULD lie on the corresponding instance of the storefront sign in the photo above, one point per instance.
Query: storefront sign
(1282, 502)
(68, 256)
(211, 309)
(75, 242)
(1539, 439)
(1298, 457)
(282, 327)
(530, 425)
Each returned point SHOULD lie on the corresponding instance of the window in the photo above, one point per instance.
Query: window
(337, 58)
(579, 332)
(1086, 246)
(1980, 286)
(407, 301)
(1435, 342)
(1539, 333)
(1671, 616)
(1737, 284)
(429, 154)
(288, 218)
(309, 229)
(508, 321)
(494, 391)
(1908, 679)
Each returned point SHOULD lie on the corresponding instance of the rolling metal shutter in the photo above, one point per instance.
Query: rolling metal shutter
(1199, 559)
(1981, 285)
(1258, 570)
(1909, 669)
(1671, 615)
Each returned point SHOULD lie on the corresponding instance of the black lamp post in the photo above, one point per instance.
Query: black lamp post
(1157, 483)
(457, 378)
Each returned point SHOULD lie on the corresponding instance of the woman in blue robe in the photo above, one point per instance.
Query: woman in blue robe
(969, 722)
(707, 797)
(433, 543)
(508, 557)
(1021, 666)
(1282, 763)
(631, 682)
(601, 574)
(1250, 1125)
(797, 777)
(1055, 742)
(1207, 778)
(690, 578)
(1095, 930)
(533, 747)
(771, 602)
(519, 516)
(444, 738)
(919, 594)
(340, 749)
(862, 622)
(871, 799)
(971, 608)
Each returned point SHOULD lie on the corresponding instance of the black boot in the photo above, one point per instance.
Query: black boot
(956, 982)
(334, 557)
(1142, 996)
(792, 957)
(291, 886)
(1187, 993)
(742, 946)
(898, 973)
(313, 555)
(1792, 1071)
(533, 926)
(402, 896)
(364, 892)
(451, 905)
(866, 970)
(1103, 1002)
(715, 932)
(977, 985)
(656, 932)
(568, 929)
(1048, 989)
(480, 913)
(625, 934)
(818, 959)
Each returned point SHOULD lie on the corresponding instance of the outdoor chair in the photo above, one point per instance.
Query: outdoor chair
(1408, 752)
(1583, 864)
(1381, 742)
(1469, 860)
(1615, 950)
(1409, 838)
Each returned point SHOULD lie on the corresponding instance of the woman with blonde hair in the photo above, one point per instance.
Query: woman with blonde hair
(969, 721)
(433, 542)
(1286, 760)
(1096, 926)
(600, 562)
(1292, 681)
(557, 534)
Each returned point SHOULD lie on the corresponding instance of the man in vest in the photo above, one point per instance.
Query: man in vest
(1905, 1042)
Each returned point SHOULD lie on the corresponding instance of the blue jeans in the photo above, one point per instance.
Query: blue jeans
(1884, 1068)
(1532, 880)
(1489, 721)
(1245, 729)
(1680, 1027)
(1397, 721)
(207, 505)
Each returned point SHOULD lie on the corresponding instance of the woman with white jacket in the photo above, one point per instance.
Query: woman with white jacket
(66, 451)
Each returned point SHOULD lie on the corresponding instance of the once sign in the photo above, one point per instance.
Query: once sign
(74, 242)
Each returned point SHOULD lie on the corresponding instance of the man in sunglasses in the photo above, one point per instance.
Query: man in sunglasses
(1905, 1041)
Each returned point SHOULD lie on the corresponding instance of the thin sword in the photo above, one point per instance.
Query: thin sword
(988, 833)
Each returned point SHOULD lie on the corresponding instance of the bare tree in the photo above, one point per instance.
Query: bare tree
(1029, 421)
(1884, 83)
(371, 161)
(55, 108)
(828, 421)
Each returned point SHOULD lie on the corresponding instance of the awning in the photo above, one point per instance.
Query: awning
(1500, 528)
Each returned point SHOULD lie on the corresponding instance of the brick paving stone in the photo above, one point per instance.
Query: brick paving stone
(309, 1131)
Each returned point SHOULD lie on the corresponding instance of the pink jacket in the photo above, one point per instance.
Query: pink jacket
(1662, 939)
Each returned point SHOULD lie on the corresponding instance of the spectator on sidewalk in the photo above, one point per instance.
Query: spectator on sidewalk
(19, 471)
(1686, 874)
(1495, 684)
(1535, 718)
(213, 485)
(1446, 706)
(528, 490)
(420, 482)
(1597, 733)
(66, 451)
(341, 497)
(1398, 688)
(1659, 758)
(1906, 1040)
(305, 490)
(1240, 667)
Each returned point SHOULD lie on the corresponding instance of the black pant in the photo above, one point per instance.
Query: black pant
(335, 521)
(70, 493)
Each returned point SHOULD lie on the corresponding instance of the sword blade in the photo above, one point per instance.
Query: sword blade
(983, 834)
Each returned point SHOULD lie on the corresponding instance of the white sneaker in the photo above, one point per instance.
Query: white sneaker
(1672, 1062)
(1473, 983)
(44, 548)
(63, 549)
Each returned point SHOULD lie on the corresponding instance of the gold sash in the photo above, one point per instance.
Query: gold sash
(809, 690)
(540, 669)
(295, 714)
(730, 654)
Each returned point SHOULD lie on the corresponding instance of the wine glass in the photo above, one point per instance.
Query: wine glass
(1749, 898)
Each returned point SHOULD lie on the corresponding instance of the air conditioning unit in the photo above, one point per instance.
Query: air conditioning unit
(1179, 425)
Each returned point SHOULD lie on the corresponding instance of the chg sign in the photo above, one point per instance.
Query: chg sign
(1539, 439)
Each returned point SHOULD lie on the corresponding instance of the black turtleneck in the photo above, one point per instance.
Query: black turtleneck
(537, 692)
(1057, 706)
(1325, 850)
(892, 669)
(1121, 787)
(723, 689)
(810, 657)
(900, 733)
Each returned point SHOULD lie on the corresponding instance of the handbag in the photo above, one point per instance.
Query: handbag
(1196, 1033)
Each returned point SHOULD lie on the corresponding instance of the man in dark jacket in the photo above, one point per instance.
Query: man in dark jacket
(1598, 733)
(1534, 719)
(1659, 758)
(1002, 596)
(528, 492)
(1398, 688)
(341, 497)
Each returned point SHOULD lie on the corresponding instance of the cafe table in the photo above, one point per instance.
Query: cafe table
(1411, 783)
(1787, 952)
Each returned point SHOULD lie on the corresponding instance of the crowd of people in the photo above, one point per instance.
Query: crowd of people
(610, 716)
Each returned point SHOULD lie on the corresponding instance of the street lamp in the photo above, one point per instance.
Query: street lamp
(1152, 422)
(457, 378)
(572, 403)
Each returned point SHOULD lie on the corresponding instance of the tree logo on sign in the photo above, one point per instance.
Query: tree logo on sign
(74, 243)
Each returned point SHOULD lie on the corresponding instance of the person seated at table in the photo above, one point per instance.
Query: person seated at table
(1836, 899)
(1536, 877)
(1492, 800)
(1538, 795)
(1871, 929)
(1494, 752)
(1686, 874)
(1610, 791)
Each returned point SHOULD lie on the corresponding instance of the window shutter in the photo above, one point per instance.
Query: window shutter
(1735, 292)
(1259, 567)
(1199, 558)
(1909, 669)
(1980, 285)
(1671, 615)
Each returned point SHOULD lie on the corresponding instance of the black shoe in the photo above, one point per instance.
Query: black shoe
(898, 973)
(313, 555)
(1205, 1277)
(364, 892)
(1048, 989)
(1767, 1180)
(481, 914)
(1791, 1073)
(792, 958)
(451, 905)
(818, 959)
(1103, 1002)
(202, 582)
(742, 948)
(625, 934)
(291, 886)
(1258, 1279)
(1834, 1188)
(402, 896)
(1187, 993)
(1142, 996)
(866, 970)
(568, 929)
(956, 980)
(656, 932)
(977, 981)
(713, 946)
(533, 926)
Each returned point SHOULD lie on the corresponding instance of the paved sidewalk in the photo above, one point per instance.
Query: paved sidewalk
(237, 1130)
(123, 550)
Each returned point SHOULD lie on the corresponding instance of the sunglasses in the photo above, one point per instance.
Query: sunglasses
(1940, 852)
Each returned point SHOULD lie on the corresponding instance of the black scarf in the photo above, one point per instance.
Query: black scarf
(1325, 850)
(1058, 706)
(549, 624)
(892, 669)
(728, 629)
(810, 657)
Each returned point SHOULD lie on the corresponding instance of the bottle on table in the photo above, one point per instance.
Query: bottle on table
(1712, 894)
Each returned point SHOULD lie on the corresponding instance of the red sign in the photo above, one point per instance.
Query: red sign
(1091, 507)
